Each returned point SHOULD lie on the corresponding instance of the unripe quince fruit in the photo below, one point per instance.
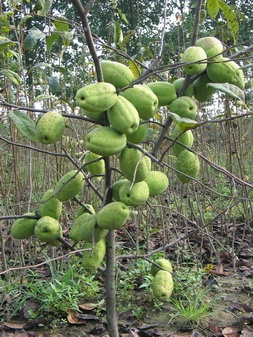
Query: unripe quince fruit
(185, 107)
(50, 127)
(139, 135)
(178, 85)
(187, 163)
(123, 116)
(69, 185)
(48, 229)
(95, 116)
(23, 228)
(201, 91)
(116, 187)
(194, 54)
(163, 263)
(162, 285)
(113, 215)
(96, 97)
(88, 209)
(211, 45)
(225, 70)
(186, 139)
(165, 92)
(95, 167)
(92, 259)
(157, 182)
(89, 228)
(134, 165)
(105, 141)
(74, 233)
(144, 100)
(134, 194)
(117, 74)
(50, 206)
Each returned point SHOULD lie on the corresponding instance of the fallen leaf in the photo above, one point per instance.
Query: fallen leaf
(247, 332)
(16, 326)
(88, 306)
(231, 332)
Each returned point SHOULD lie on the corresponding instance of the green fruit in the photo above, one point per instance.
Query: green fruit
(185, 107)
(23, 228)
(113, 215)
(97, 167)
(139, 135)
(89, 230)
(96, 97)
(74, 233)
(202, 92)
(95, 116)
(50, 206)
(69, 185)
(178, 85)
(225, 70)
(162, 285)
(134, 165)
(165, 92)
(105, 141)
(211, 45)
(157, 182)
(186, 139)
(187, 163)
(48, 229)
(117, 73)
(92, 259)
(50, 127)
(88, 209)
(193, 55)
(123, 116)
(134, 194)
(163, 263)
(116, 187)
(144, 100)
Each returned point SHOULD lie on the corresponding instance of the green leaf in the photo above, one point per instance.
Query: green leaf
(134, 69)
(24, 124)
(182, 123)
(54, 85)
(212, 7)
(43, 97)
(61, 24)
(11, 75)
(5, 43)
(32, 37)
(122, 15)
(230, 17)
(229, 89)
(41, 65)
(50, 40)
(118, 35)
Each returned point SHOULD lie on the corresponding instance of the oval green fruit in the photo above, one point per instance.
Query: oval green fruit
(186, 139)
(165, 92)
(187, 165)
(139, 135)
(97, 163)
(185, 107)
(134, 165)
(105, 141)
(23, 228)
(123, 116)
(162, 285)
(157, 183)
(134, 194)
(113, 215)
(50, 205)
(69, 185)
(117, 73)
(48, 229)
(196, 57)
(163, 263)
(178, 83)
(96, 97)
(50, 127)
(74, 233)
(211, 45)
(89, 229)
(202, 92)
(144, 100)
(116, 187)
(87, 209)
(92, 259)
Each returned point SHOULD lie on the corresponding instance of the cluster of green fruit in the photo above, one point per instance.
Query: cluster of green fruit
(44, 223)
(162, 283)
